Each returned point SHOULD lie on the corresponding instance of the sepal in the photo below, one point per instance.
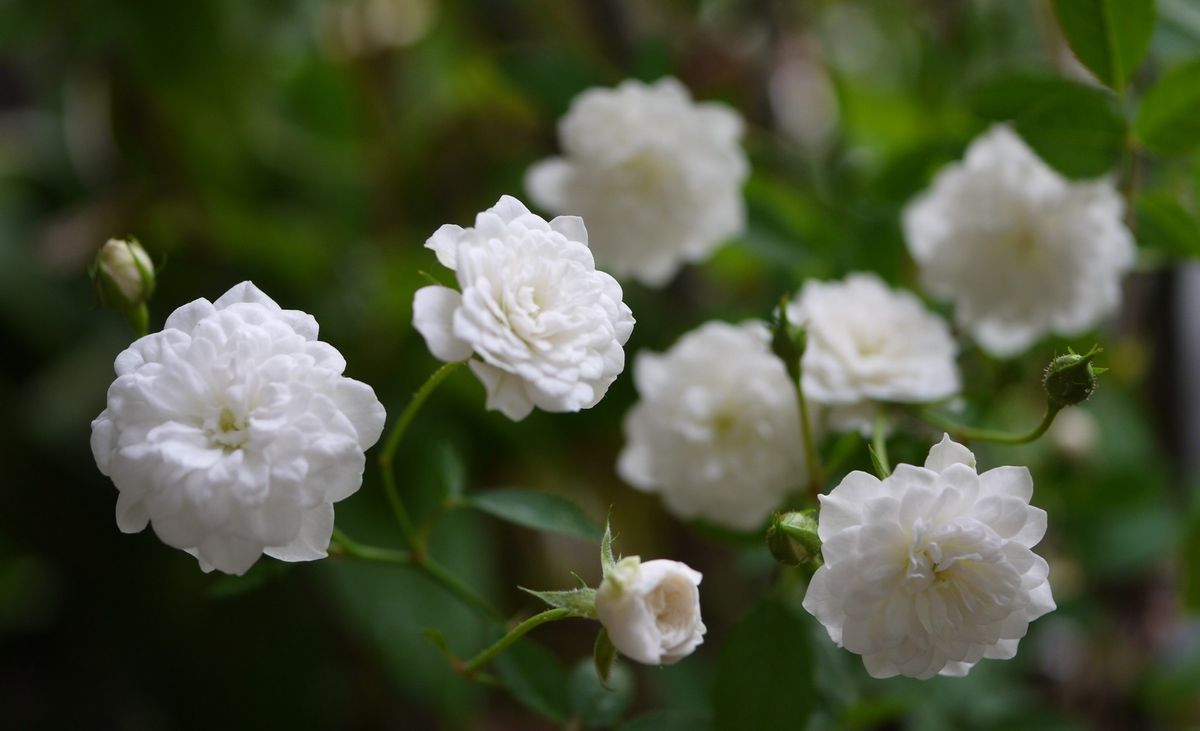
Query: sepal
(581, 602)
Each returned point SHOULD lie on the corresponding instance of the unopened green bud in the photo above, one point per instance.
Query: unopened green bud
(123, 275)
(788, 340)
(1071, 379)
(793, 538)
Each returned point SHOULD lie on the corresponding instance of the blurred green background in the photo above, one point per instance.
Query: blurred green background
(313, 146)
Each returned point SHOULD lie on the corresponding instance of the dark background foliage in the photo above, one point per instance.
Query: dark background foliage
(313, 146)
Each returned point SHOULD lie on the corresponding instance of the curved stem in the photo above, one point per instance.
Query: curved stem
(458, 588)
(514, 634)
(388, 454)
(353, 548)
(962, 432)
(434, 571)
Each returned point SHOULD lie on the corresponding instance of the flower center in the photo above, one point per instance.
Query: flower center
(669, 602)
(226, 429)
(1023, 241)
(933, 553)
(645, 173)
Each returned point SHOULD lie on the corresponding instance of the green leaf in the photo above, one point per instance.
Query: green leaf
(604, 653)
(1169, 119)
(597, 704)
(765, 676)
(1165, 224)
(438, 639)
(537, 510)
(1110, 37)
(580, 601)
(452, 471)
(877, 463)
(675, 720)
(1076, 129)
(535, 678)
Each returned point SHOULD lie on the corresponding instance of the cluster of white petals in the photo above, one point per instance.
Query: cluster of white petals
(232, 432)
(930, 570)
(656, 176)
(542, 326)
(651, 610)
(717, 427)
(867, 342)
(1018, 248)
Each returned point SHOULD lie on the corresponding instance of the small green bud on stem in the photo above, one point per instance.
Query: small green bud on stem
(123, 276)
(793, 538)
(1071, 379)
(787, 340)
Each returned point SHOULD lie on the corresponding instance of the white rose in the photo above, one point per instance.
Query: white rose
(717, 429)
(930, 570)
(545, 327)
(657, 176)
(1019, 249)
(651, 610)
(232, 432)
(868, 343)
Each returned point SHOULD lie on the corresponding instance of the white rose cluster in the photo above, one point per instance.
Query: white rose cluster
(656, 176)
(232, 432)
(1019, 249)
(717, 429)
(868, 343)
(651, 610)
(930, 570)
(540, 324)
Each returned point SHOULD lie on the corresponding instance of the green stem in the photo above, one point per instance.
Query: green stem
(962, 432)
(432, 570)
(811, 457)
(879, 446)
(139, 319)
(483, 658)
(451, 583)
(353, 548)
(388, 454)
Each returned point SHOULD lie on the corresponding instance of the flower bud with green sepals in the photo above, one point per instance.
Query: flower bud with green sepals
(1071, 379)
(787, 340)
(123, 274)
(793, 538)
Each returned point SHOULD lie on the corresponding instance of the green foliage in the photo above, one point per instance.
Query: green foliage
(1169, 119)
(452, 472)
(1191, 556)
(599, 704)
(1110, 37)
(536, 510)
(1074, 128)
(671, 720)
(534, 677)
(1165, 224)
(765, 676)
(604, 654)
(253, 140)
